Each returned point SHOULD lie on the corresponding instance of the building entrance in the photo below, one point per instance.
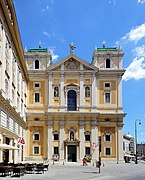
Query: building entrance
(72, 153)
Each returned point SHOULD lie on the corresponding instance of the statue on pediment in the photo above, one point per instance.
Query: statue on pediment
(72, 47)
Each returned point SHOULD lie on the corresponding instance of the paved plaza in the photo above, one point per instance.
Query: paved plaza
(128, 171)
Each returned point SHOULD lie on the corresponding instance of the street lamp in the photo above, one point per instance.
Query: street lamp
(137, 120)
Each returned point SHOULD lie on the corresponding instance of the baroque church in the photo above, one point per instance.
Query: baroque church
(57, 111)
(72, 102)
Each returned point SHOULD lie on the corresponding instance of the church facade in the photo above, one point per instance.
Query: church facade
(73, 102)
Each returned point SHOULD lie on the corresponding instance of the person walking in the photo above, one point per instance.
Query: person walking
(84, 162)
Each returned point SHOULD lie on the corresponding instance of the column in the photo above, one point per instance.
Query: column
(61, 139)
(50, 139)
(81, 92)
(120, 144)
(93, 92)
(62, 105)
(82, 150)
(50, 93)
(94, 139)
(119, 92)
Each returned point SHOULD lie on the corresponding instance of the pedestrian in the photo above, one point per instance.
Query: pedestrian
(84, 162)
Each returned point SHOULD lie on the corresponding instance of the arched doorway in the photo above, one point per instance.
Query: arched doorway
(71, 100)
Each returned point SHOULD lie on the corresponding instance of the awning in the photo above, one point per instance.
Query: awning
(6, 146)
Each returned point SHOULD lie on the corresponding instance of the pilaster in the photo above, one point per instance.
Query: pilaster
(61, 144)
(50, 91)
(62, 105)
(94, 92)
(120, 91)
(82, 151)
(120, 144)
(81, 92)
(50, 147)
(94, 140)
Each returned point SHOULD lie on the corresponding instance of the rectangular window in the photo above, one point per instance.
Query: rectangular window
(87, 151)
(106, 85)
(36, 150)
(107, 97)
(108, 151)
(107, 137)
(87, 137)
(36, 137)
(56, 137)
(37, 97)
(36, 85)
(56, 150)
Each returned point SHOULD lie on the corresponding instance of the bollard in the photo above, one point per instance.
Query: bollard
(93, 164)
(63, 163)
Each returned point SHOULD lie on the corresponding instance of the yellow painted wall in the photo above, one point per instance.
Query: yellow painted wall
(112, 90)
(111, 144)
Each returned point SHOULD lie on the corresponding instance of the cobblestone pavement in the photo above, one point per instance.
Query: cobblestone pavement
(128, 171)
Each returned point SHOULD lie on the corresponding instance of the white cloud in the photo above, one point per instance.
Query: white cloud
(141, 1)
(47, 34)
(136, 33)
(139, 51)
(136, 70)
(54, 56)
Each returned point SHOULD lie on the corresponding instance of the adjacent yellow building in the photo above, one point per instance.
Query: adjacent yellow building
(72, 102)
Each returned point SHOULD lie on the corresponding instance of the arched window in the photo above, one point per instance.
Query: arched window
(87, 91)
(36, 64)
(107, 63)
(71, 101)
(56, 91)
(6, 88)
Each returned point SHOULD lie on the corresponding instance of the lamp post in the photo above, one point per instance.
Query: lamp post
(137, 120)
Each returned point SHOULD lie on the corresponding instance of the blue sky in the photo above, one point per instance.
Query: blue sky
(87, 23)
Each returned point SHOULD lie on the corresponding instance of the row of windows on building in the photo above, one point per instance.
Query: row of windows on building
(19, 103)
(10, 63)
(107, 136)
(36, 150)
(107, 97)
(107, 64)
(9, 123)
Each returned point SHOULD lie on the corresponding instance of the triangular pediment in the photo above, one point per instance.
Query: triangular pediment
(72, 63)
